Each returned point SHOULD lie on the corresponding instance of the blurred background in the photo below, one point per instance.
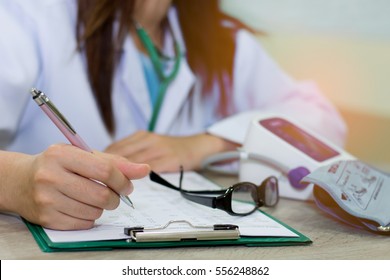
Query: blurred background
(343, 45)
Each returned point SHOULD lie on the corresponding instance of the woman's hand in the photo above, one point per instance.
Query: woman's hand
(168, 153)
(58, 188)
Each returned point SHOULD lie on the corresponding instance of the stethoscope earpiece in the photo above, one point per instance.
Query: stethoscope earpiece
(296, 175)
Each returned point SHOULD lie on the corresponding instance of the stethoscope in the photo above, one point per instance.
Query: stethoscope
(164, 79)
(294, 175)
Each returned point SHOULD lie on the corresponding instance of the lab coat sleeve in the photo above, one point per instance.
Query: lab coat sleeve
(261, 86)
(19, 67)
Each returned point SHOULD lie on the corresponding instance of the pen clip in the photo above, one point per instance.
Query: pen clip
(40, 98)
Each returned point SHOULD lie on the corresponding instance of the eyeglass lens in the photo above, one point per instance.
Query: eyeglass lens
(271, 193)
(245, 196)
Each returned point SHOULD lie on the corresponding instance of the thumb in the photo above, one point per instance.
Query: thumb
(130, 169)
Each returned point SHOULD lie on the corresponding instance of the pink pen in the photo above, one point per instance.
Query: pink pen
(64, 126)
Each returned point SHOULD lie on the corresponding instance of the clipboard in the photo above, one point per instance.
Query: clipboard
(48, 246)
(216, 229)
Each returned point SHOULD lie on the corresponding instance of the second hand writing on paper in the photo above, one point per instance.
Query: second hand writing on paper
(64, 126)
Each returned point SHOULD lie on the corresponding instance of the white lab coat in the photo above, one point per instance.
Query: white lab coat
(38, 49)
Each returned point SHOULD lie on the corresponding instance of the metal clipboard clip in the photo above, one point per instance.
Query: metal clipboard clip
(191, 233)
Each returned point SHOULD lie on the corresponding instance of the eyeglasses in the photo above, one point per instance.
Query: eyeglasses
(240, 199)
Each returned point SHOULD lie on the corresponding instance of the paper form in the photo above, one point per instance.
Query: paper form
(156, 205)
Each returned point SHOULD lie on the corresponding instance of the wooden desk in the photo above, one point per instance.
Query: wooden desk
(331, 240)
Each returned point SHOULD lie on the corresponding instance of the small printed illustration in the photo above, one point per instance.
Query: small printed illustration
(361, 189)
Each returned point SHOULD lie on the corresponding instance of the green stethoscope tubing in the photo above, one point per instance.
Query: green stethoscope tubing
(165, 80)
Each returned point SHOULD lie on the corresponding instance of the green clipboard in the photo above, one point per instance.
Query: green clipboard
(46, 245)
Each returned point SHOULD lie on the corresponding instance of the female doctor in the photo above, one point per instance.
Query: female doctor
(141, 81)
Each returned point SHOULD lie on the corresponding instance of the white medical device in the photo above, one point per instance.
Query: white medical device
(276, 145)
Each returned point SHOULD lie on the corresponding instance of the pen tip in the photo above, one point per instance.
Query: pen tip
(127, 200)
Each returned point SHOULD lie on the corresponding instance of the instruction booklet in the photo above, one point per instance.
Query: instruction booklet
(354, 192)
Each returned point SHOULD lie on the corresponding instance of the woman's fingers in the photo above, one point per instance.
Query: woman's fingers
(69, 188)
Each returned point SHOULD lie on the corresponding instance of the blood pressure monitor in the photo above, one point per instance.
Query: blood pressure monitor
(276, 145)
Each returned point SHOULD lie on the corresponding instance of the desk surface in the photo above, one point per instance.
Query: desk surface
(331, 240)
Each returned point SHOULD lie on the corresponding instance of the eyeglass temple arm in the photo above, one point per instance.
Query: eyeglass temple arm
(212, 202)
(158, 179)
(204, 200)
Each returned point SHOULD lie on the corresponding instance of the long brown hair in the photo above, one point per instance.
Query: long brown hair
(208, 35)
